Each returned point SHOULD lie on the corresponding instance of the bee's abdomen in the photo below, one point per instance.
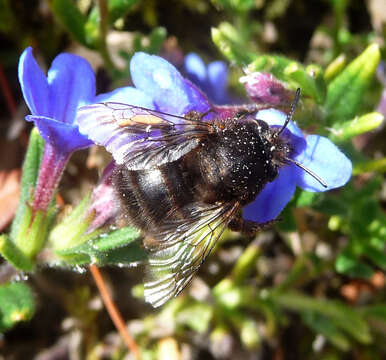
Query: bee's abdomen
(151, 196)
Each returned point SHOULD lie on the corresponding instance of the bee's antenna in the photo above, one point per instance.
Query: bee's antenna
(291, 113)
(308, 171)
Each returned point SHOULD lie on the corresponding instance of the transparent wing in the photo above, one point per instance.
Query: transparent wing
(138, 137)
(176, 255)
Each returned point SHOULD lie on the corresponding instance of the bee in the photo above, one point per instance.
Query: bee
(183, 180)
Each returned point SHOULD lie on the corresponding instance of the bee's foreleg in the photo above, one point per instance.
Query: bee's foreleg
(247, 227)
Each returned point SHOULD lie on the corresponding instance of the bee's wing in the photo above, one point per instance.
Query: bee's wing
(138, 137)
(180, 249)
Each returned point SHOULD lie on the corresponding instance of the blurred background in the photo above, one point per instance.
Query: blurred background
(316, 278)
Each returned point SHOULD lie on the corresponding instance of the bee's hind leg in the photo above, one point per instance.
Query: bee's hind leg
(249, 228)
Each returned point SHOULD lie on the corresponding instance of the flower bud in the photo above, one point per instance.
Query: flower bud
(264, 88)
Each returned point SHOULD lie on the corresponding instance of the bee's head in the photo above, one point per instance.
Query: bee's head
(281, 147)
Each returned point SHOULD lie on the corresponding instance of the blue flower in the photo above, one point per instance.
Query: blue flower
(212, 79)
(53, 100)
(315, 152)
(159, 86)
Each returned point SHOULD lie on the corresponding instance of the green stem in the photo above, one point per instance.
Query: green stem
(103, 26)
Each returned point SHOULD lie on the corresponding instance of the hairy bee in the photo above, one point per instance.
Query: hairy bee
(182, 180)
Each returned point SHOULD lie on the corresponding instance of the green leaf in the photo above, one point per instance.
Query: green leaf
(230, 43)
(377, 256)
(307, 198)
(235, 5)
(341, 315)
(16, 304)
(335, 68)
(344, 131)
(71, 19)
(116, 9)
(34, 230)
(246, 263)
(322, 324)
(156, 40)
(30, 173)
(377, 311)
(378, 165)
(14, 255)
(120, 8)
(117, 247)
(345, 92)
(348, 263)
(70, 232)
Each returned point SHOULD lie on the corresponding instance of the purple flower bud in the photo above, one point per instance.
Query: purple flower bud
(264, 88)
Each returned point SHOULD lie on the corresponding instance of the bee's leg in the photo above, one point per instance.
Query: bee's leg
(247, 227)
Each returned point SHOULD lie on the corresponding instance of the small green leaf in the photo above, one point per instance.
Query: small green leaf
(231, 45)
(120, 8)
(235, 5)
(359, 125)
(71, 19)
(309, 79)
(17, 304)
(335, 68)
(378, 165)
(117, 247)
(13, 255)
(156, 40)
(117, 238)
(71, 230)
(30, 173)
(377, 256)
(34, 230)
(321, 324)
(246, 263)
(347, 263)
(377, 311)
(345, 92)
(116, 9)
(307, 198)
(341, 315)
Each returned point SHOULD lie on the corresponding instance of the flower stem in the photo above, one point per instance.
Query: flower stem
(51, 169)
(103, 25)
(114, 312)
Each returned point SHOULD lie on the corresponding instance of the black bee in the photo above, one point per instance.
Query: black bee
(183, 180)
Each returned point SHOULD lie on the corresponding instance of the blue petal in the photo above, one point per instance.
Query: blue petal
(195, 68)
(273, 198)
(72, 84)
(127, 95)
(217, 77)
(198, 101)
(171, 93)
(64, 137)
(324, 159)
(33, 84)
(275, 117)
